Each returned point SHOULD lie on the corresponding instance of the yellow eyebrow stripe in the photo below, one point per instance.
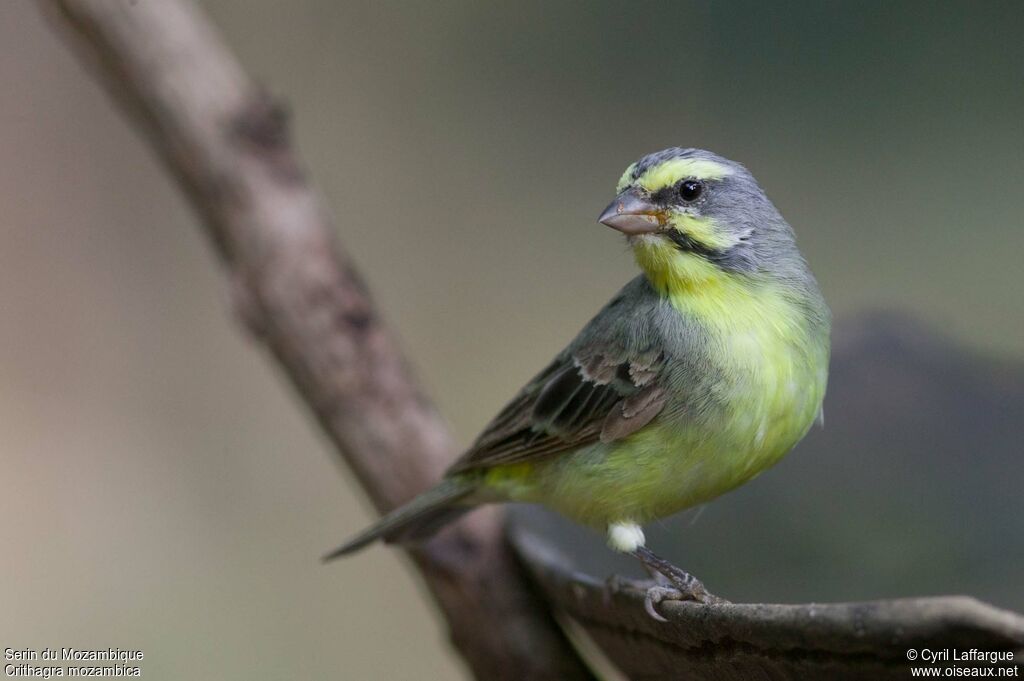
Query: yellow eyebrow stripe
(668, 173)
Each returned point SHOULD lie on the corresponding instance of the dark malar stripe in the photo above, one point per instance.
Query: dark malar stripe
(727, 259)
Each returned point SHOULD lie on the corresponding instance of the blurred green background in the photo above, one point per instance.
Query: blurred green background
(161, 490)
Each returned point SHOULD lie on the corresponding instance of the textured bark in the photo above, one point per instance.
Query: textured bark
(226, 142)
(741, 641)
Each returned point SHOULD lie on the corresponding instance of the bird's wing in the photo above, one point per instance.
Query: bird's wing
(601, 390)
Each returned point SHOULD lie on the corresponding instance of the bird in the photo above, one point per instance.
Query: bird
(700, 373)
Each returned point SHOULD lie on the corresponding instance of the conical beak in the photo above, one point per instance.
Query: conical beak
(632, 214)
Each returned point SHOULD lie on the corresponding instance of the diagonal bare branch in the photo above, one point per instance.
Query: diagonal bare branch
(226, 143)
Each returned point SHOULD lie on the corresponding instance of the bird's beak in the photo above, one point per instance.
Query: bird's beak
(633, 214)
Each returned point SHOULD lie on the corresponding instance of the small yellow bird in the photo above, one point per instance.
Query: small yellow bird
(699, 374)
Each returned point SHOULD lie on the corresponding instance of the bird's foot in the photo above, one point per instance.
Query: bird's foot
(678, 585)
(657, 594)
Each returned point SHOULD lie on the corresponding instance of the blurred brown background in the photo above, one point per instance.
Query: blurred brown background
(161, 489)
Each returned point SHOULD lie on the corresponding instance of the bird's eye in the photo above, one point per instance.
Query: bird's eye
(691, 190)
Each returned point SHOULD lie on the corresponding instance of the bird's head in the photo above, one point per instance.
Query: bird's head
(692, 217)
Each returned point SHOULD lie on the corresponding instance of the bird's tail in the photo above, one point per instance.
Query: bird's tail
(416, 520)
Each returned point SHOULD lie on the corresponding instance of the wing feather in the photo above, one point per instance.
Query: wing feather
(598, 392)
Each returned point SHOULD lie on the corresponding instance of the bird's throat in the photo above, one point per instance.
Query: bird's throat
(674, 272)
(721, 301)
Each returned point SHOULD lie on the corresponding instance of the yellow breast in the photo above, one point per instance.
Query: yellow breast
(773, 369)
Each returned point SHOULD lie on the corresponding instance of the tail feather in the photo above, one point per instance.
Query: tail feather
(416, 520)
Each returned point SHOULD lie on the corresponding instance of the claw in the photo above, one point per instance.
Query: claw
(657, 594)
(673, 584)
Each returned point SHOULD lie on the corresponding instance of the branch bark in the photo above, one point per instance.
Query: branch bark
(226, 143)
(873, 640)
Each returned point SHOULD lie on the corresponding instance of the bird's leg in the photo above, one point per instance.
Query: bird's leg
(677, 577)
(680, 586)
(654, 575)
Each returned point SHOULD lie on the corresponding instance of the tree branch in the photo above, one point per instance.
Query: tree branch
(740, 641)
(226, 143)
